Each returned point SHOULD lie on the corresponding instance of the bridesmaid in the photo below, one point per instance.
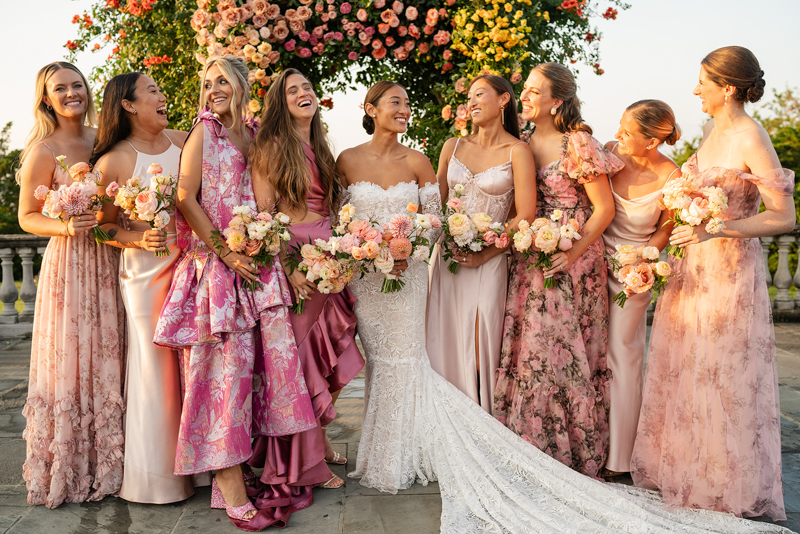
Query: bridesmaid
(465, 310)
(294, 169)
(638, 221)
(241, 373)
(709, 431)
(132, 135)
(76, 347)
(552, 382)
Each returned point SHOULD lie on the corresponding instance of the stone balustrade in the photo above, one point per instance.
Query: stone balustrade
(26, 246)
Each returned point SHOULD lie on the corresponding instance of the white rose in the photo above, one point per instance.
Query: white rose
(459, 188)
(283, 218)
(650, 253)
(422, 253)
(161, 219)
(556, 215)
(384, 262)
(715, 226)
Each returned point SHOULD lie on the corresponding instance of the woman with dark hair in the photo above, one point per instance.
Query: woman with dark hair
(293, 168)
(76, 365)
(709, 432)
(465, 316)
(638, 222)
(552, 385)
(132, 135)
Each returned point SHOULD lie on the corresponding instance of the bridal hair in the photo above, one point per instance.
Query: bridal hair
(373, 97)
(656, 120)
(278, 154)
(736, 66)
(114, 122)
(234, 69)
(44, 119)
(567, 117)
(501, 86)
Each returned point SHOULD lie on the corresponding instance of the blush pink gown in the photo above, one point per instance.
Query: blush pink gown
(709, 430)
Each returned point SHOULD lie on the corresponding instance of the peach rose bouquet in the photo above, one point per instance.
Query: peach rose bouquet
(152, 204)
(258, 235)
(83, 194)
(638, 270)
(692, 205)
(545, 237)
(464, 233)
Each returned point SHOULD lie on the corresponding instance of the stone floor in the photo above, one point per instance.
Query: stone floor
(351, 510)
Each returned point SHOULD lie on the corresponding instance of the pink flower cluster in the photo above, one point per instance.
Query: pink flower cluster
(639, 270)
(326, 267)
(693, 205)
(549, 237)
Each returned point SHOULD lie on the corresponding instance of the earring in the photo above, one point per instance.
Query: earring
(49, 107)
(726, 100)
(553, 111)
(503, 115)
(134, 112)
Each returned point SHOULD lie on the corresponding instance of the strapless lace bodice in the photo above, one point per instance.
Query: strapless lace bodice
(374, 202)
(490, 191)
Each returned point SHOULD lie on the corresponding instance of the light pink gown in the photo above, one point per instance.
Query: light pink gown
(634, 222)
(709, 430)
(74, 406)
(457, 299)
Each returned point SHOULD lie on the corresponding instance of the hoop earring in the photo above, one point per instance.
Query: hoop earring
(503, 115)
(49, 107)
(553, 111)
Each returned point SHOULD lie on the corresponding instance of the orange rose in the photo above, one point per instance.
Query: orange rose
(358, 253)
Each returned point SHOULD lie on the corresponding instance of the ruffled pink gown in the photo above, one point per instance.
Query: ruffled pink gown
(709, 430)
(239, 363)
(74, 407)
(552, 384)
(325, 334)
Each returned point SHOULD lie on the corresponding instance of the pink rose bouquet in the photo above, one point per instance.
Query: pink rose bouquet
(639, 270)
(548, 238)
(152, 204)
(464, 233)
(258, 235)
(692, 205)
(81, 195)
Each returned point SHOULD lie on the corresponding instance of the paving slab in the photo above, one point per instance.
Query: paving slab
(393, 514)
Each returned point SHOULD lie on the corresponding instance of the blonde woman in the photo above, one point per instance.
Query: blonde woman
(76, 359)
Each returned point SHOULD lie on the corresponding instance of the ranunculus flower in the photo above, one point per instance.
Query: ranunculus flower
(459, 224)
(626, 255)
(358, 253)
(523, 241)
(662, 268)
(454, 203)
(372, 249)
(481, 221)
(502, 240)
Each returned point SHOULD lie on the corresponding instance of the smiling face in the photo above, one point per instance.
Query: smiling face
(711, 95)
(150, 104)
(219, 92)
(392, 111)
(483, 103)
(632, 141)
(66, 93)
(300, 98)
(536, 98)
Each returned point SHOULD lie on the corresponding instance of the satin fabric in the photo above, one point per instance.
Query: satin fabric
(634, 223)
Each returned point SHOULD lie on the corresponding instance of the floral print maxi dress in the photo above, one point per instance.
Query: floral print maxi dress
(552, 382)
(709, 430)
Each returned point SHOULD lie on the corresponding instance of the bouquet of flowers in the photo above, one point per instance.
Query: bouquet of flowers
(258, 235)
(405, 235)
(326, 265)
(549, 237)
(73, 199)
(464, 234)
(692, 205)
(639, 270)
(151, 204)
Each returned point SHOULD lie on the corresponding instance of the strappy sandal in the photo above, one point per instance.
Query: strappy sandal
(337, 459)
(249, 477)
(332, 484)
(610, 475)
(237, 513)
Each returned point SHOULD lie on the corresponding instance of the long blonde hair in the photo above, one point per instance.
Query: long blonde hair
(235, 70)
(45, 121)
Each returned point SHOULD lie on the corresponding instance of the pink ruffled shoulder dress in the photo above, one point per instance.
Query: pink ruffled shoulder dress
(240, 370)
(74, 408)
(709, 430)
(552, 384)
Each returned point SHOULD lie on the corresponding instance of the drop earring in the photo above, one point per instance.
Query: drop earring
(726, 100)
(553, 111)
(503, 115)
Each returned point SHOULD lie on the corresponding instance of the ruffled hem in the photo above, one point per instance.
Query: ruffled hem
(200, 308)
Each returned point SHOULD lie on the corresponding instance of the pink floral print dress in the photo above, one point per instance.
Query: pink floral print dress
(74, 408)
(552, 383)
(239, 365)
(709, 430)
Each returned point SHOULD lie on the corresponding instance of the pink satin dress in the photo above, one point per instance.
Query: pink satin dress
(634, 222)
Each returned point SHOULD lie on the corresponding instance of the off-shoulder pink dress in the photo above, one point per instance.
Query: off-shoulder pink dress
(552, 384)
(239, 364)
(709, 430)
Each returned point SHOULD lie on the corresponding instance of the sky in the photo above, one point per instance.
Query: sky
(652, 50)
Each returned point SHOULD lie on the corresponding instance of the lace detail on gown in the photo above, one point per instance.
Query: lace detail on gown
(430, 201)
(418, 426)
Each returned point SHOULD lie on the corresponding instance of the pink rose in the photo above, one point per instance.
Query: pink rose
(502, 241)
(411, 13)
(461, 85)
(303, 13)
(441, 38)
(305, 52)
(41, 192)
(414, 32)
(252, 247)
(564, 244)
(390, 41)
(359, 228)
(373, 234)
(433, 14)
(379, 4)
(397, 7)
(489, 238)
(447, 66)
(646, 276)
(447, 55)
(290, 45)
(345, 8)
(454, 203)
(352, 56)
(402, 31)
(146, 205)
(379, 53)
(461, 111)
(361, 15)
(409, 45)
(435, 221)
(516, 77)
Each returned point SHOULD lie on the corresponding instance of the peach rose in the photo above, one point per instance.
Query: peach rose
(252, 246)
(358, 253)
(646, 276)
(359, 227)
(626, 255)
(459, 224)
(524, 226)
(311, 254)
(77, 171)
(663, 268)
(546, 239)
(146, 205)
(447, 112)
(371, 248)
(481, 221)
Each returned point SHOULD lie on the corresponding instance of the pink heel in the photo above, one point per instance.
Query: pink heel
(234, 512)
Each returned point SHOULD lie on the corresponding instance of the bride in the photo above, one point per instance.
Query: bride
(419, 427)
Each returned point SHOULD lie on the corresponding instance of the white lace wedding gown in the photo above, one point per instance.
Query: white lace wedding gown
(419, 427)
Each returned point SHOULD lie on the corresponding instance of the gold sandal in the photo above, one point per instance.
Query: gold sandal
(331, 484)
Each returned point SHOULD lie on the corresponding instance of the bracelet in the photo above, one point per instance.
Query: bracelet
(66, 228)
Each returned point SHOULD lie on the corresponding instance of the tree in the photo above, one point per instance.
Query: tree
(429, 46)
(9, 189)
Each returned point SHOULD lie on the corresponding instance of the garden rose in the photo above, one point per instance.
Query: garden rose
(662, 268)
(626, 255)
(650, 253)
(502, 241)
(459, 224)
(311, 254)
(646, 276)
(146, 205)
(516, 77)
(414, 32)
(373, 234)
(454, 203)
(481, 221)
(371, 248)
(112, 189)
(461, 111)
(523, 241)
(546, 239)
(361, 15)
(422, 253)
(489, 238)
(460, 124)
(412, 13)
(461, 85)
(252, 246)
(379, 53)
(379, 4)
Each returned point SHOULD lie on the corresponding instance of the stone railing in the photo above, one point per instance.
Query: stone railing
(26, 246)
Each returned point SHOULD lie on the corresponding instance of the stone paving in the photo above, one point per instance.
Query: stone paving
(350, 510)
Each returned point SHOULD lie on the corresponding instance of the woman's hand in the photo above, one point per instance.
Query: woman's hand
(473, 259)
(80, 223)
(303, 288)
(399, 267)
(561, 263)
(689, 235)
(242, 265)
(153, 240)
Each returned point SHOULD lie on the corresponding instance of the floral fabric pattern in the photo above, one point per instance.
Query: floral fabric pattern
(552, 384)
(74, 408)
(227, 333)
(709, 429)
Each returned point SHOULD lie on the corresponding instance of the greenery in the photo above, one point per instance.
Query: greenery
(9, 190)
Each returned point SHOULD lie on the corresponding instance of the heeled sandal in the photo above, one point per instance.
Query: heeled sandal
(610, 475)
(234, 512)
(249, 477)
(331, 484)
(337, 459)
